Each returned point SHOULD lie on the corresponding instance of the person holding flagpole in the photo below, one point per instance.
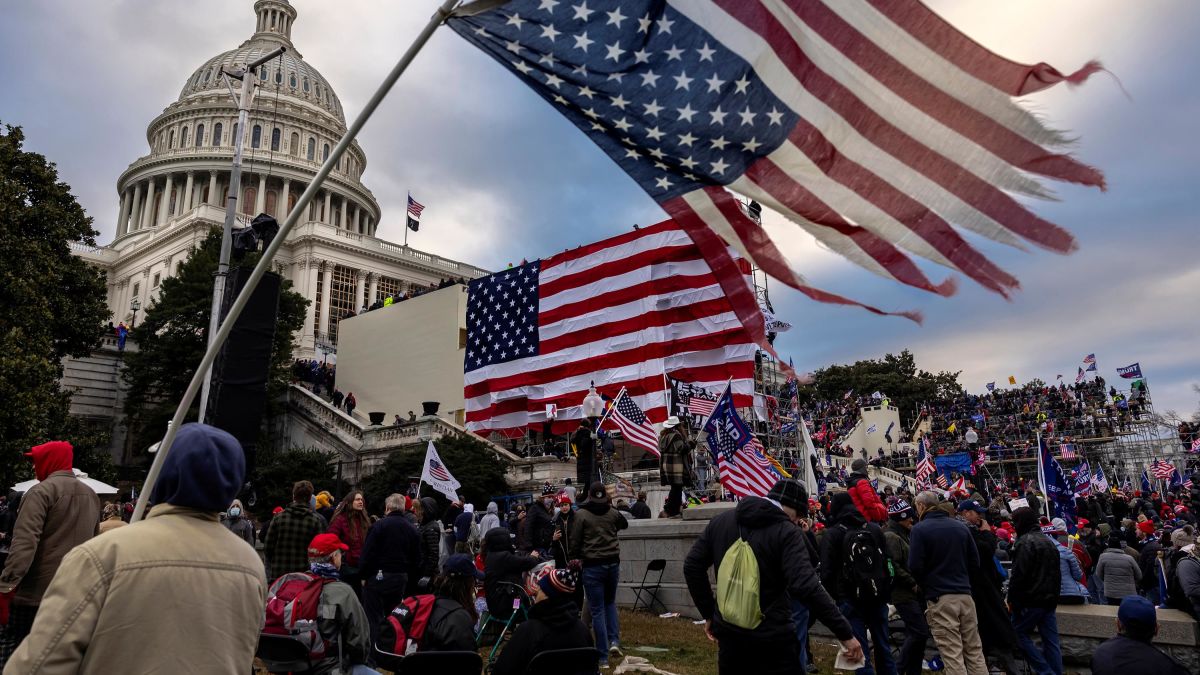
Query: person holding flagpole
(675, 469)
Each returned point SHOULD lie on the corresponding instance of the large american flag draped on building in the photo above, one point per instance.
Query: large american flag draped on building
(873, 125)
(619, 312)
(743, 467)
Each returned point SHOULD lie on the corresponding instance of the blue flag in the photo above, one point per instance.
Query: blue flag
(1146, 484)
(1130, 372)
(991, 386)
(1060, 493)
(1176, 479)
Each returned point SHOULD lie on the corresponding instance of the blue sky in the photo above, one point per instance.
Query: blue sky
(504, 177)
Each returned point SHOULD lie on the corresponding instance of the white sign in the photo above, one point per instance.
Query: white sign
(1015, 504)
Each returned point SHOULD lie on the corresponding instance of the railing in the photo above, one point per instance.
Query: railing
(259, 155)
(882, 473)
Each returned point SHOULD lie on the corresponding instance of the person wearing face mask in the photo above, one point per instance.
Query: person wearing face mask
(237, 523)
(540, 524)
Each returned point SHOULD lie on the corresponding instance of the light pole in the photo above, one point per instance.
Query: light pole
(248, 78)
(593, 408)
(134, 306)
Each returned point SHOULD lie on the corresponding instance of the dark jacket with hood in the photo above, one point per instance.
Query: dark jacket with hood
(594, 534)
(501, 563)
(553, 624)
(1035, 577)
(450, 628)
(904, 586)
(847, 519)
(431, 537)
(539, 524)
(783, 567)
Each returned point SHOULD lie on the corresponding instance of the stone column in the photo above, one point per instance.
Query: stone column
(164, 210)
(309, 289)
(189, 185)
(345, 223)
(373, 295)
(358, 220)
(360, 280)
(326, 282)
(213, 197)
(281, 205)
(123, 214)
(328, 214)
(135, 209)
(148, 212)
(260, 200)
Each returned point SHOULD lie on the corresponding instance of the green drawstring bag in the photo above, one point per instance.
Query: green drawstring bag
(737, 587)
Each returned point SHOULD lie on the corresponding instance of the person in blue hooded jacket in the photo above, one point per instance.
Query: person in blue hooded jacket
(176, 592)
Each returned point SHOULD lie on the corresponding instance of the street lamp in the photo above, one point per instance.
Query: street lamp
(134, 305)
(593, 408)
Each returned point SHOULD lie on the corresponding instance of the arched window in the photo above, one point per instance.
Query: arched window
(295, 145)
(278, 77)
(262, 73)
(256, 136)
(292, 80)
(312, 149)
(306, 86)
(272, 200)
(325, 152)
(171, 140)
(183, 137)
(275, 134)
(207, 74)
(199, 135)
(217, 129)
(249, 198)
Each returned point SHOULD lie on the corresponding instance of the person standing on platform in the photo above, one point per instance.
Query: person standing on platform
(675, 470)
(585, 453)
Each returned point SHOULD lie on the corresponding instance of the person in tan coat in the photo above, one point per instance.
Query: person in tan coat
(174, 593)
(57, 513)
(111, 519)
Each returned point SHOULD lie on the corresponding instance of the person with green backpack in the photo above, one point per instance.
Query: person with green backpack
(761, 565)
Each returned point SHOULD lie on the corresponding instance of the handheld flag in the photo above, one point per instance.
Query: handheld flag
(1060, 493)
(438, 476)
(1130, 372)
(1146, 489)
(809, 109)
(742, 465)
(1161, 469)
(1012, 379)
(925, 465)
(1100, 481)
(1079, 376)
(633, 423)
(991, 386)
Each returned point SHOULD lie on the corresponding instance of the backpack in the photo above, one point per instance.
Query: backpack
(737, 586)
(404, 629)
(292, 611)
(1176, 597)
(866, 573)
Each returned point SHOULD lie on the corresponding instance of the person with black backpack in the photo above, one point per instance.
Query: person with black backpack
(856, 571)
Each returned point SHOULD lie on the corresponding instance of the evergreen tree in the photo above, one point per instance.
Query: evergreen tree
(480, 471)
(52, 303)
(895, 375)
(278, 470)
(172, 338)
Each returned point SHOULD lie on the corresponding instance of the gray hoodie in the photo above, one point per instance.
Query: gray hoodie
(490, 519)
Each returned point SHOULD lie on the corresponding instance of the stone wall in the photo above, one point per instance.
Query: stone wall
(1082, 628)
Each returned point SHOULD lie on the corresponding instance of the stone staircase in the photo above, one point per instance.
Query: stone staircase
(885, 476)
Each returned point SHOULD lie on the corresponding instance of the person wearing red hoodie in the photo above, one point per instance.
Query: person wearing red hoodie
(57, 514)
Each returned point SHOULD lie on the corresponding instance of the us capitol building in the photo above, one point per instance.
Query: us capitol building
(172, 197)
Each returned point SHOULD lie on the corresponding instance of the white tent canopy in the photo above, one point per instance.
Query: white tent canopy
(97, 486)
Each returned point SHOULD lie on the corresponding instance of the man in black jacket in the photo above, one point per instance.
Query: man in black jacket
(640, 509)
(553, 623)
(539, 522)
(502, 565)
(784, 574)
(391, 555)
(906, 593)
(861, 598)
(1033, 586)
(995, 628)
(1132, 651)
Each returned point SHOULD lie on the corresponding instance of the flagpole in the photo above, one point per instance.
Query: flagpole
(264, 263)
(406, 216)
(611, 408)
(1042, 478)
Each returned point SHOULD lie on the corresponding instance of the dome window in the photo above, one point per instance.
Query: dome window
(312, 149)
(275, 134)
(292, 80)
(262, 73)
(218, 128)
(199, 135)
(295, 144)
(306, 85)
(183, 137)
(278, 77)
(325, 152)
(171, 140)
(207, 74)
(256, 136)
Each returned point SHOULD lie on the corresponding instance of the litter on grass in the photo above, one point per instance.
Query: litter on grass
(668, 615)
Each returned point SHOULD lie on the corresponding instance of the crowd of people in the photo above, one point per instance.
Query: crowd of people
(414, 290)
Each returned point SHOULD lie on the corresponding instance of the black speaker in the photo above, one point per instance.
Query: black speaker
(238, 394)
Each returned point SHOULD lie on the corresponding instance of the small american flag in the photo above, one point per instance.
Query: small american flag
(1196, 444)
(438, 471)
(873, 126)
(1161, 469)
(942, 482)
(633, 424)
(925, 465)
(1067, 451)
(698, 405)
(1089, 359)
(415, 208)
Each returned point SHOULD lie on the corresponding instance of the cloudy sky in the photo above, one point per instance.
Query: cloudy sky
(503, 177)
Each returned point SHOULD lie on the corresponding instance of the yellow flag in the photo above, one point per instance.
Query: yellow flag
(1012, 379)
(953, 426)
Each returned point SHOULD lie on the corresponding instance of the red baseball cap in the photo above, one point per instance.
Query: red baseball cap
(277, 510)
(325, 544)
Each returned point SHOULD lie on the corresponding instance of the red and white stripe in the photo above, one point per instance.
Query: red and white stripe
(641, 435)
(701, 406)
(744, 476)
(414, 207)
(620, 313)
(908, 134)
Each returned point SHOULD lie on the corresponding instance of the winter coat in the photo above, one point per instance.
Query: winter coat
(640, 510)
(1119, 573)
(392, 546)
(995, 628)
(287, 541)
(352, 534)
(553, 624)
(1148, 560)
(490, 519)
(243, 528)
(450, 628)
(1035, 578)
(1188, 570)
(431, 539)
(562, 549)
(540, 526)
(904, 586)
(676, 458)
(847, 519)
(502, 564)
(1070, 573)
(1123, 655)
(585, 456)
(110, 524)
(784, 572)
(56, 515)
(97, 616)
(594, 534)
(341, 621)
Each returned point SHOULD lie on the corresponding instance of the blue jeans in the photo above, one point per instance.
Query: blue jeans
(800, 618)
(1048, 659)
(873, 619)
(600, 587)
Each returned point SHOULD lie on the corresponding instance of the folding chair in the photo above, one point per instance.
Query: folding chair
(657, 565)
(283, 654)
(521, 604)
(442, 663)
(576, 661)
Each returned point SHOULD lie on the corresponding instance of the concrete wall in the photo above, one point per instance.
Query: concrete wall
(394, 358)
(880, 417)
